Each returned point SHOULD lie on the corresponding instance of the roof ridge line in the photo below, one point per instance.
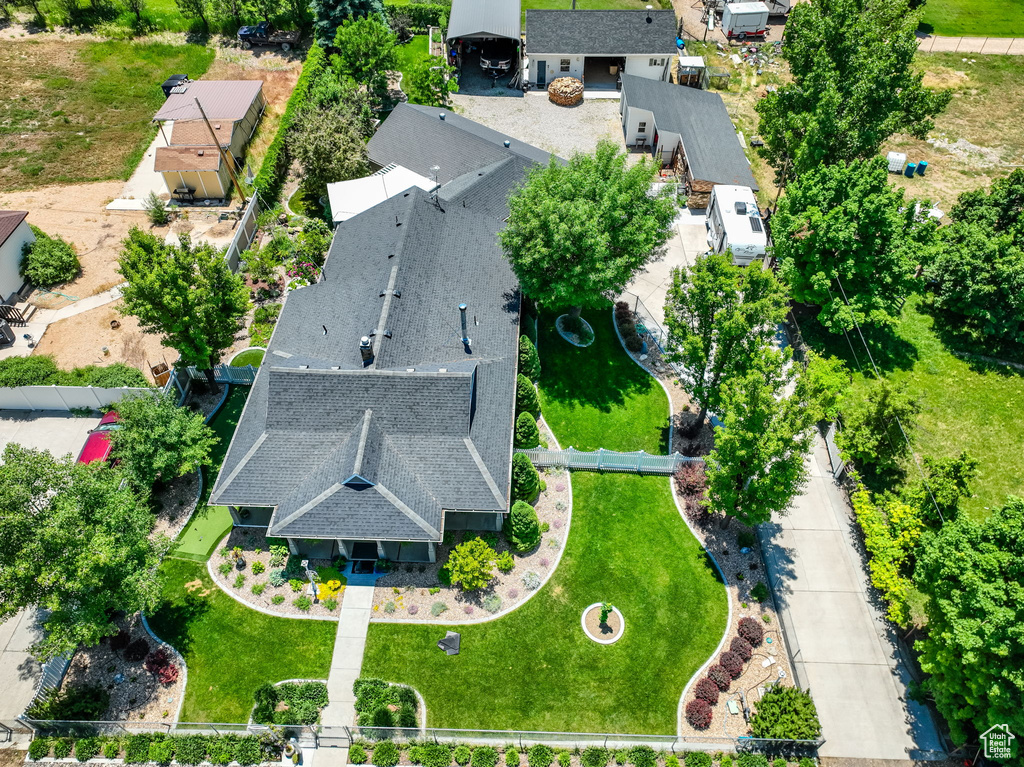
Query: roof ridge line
(313, 502)
(362, 441)
(484, 471)
(397, 502)
(241, 465)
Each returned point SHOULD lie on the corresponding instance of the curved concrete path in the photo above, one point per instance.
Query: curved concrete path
(1004, 46)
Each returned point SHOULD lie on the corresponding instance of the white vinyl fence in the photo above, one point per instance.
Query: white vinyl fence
(244, 233)
(639, 462)
(64, 397)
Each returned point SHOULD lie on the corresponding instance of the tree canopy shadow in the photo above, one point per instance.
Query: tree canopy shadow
(858, 347)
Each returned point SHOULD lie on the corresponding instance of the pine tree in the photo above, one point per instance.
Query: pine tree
(527, 433)
(529, 360)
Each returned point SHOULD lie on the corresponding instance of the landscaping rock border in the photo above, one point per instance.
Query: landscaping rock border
(599, 640)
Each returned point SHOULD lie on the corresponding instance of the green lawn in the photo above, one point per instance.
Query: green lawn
(535, 669)
(597, 396)
(966, 406)
(981, 18)
(409, 55)
(81, 111)
(252, 357)
(231, 650)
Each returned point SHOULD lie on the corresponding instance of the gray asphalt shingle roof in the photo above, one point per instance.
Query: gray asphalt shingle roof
(429, 425)
(601, 33)
(700, 118)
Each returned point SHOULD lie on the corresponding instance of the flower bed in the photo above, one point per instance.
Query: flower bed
(273, 580)
(157, 748)
(414, 592)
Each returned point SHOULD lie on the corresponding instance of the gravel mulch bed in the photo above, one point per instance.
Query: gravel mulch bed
(404, 595)
(138, 695)
(200, 398)
(176, 502)
(249, 540)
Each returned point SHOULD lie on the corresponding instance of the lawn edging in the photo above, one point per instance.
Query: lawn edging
(551, 570)
(682, 513)
(181, 660)
(271, 613)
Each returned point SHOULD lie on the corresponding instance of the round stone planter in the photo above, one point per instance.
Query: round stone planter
(601, 633)
(573, 338)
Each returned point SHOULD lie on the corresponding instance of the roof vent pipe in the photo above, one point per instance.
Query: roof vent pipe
(441, 115)
(465, 333)
(365, 350)
(507, 143)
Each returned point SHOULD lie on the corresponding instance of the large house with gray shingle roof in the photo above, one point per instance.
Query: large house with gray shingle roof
(383, 412)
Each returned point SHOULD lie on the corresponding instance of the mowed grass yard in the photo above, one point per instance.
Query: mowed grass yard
(80, 111)
(976, 18)
(966, 405)
(534, 668)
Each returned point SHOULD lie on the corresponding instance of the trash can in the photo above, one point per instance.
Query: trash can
(922, 167)
(909, 170)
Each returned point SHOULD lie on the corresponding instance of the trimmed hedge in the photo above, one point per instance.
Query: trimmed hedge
(421, 15)
(157, 747)
(269, 180)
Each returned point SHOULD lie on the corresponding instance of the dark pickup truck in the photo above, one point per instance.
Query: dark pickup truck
(264, 33)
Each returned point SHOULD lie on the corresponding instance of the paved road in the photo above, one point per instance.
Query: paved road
(843, 650)
(1012, 46)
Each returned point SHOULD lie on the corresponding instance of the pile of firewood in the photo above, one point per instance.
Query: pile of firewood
(566, 91)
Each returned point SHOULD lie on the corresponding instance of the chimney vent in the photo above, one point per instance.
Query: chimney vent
(465, 334)
(365, 350)
(441, 115)
(507, 143)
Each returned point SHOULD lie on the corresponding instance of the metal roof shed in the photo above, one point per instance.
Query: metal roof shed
(485, 18)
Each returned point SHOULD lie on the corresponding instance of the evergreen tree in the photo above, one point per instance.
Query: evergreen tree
(529, 360)
(522, 526)
(527, 433)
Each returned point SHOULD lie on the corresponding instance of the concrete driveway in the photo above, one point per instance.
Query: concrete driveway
(843, 649)
(19, 671)
(59, 432)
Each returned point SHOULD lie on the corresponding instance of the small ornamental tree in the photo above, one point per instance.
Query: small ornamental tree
(526, 396)
(527, 433)
(522, 526)
(529, 360)
(751, 631)
(525, 479)
(313, 242)
(785, 713)
(328, 146)
(606, 610)
(471, 564)
(431, 82)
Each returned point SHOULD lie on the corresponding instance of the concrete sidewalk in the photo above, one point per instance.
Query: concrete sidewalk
(843, 649)
(349, 645)
(1005, 46)
(19, 671)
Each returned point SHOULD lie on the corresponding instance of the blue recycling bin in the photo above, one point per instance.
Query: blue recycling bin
(909, 170)
(922, 167)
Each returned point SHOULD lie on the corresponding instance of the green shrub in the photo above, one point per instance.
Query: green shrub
(506, 562)
(539, 755)
(37, 370)
(356, 753)
(330, 605)
(136, 748)
(190, 749)
(39, 748)
(806, 761)
(492, 603)
(406, 716)
(511, 757)
(239, 581)
(84, 702)
(529, 360)
(222, 750)
(303, 603)
(224, 568)
(752, 760)
(258, 567)
(526, 396)
(522, 526)
(86, 748)
(156, 209)
(785, 713)
(698, 759)
(277, 599)
(420, 15)
(296, 584)
(278, 554)
(161, 751)
(527, 433)
(780, 762)
(62, 748)
(41, 370)
(725, 761)
(444, 575)
(258, 588)
(759, 592)
(416, 754)
(484, 756)
(436, 755)
(594, 756)
(469, 564)
(462, 755)
(671, 760)
(386, 754)
(276, 577)
(642, 756)
(564, 759)
(48, 261)
(248, 751)
(525, 479)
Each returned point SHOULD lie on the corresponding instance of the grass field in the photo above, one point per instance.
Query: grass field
(535, 669)
(411, 54)
(976, 18)
(76, 112)
(966, 405)
(231, 650)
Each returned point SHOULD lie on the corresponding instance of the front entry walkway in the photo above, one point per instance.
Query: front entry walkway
(349, 646)
(843, 650)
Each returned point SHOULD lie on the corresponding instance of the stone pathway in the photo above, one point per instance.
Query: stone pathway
(349, 645)
(1005, 46)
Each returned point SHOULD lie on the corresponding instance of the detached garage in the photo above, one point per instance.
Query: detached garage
(485, 35)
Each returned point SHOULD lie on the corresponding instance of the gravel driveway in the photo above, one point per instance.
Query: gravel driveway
(535, 120)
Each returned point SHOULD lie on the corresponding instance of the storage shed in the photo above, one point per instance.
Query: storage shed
(15, 234)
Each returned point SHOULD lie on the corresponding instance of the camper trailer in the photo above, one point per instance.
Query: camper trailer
(741, 21)
(734, 224)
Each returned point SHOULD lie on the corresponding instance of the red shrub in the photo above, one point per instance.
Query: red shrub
(136, 651)
(698, 714)
(691, 479)
(751, 630)
(160, 664)
(732, 663)
(720, 676)
(120, 640)
(741, 647)
(707, 690)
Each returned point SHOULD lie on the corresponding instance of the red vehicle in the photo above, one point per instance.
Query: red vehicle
(97, 446)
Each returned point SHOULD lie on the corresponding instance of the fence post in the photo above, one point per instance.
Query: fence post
(600, 458)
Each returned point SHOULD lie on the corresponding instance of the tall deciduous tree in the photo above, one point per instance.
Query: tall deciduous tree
(195, 9)
(718, 315)
(159, 440)
(843, 233)
(432, 82)
(328, 147)
(228, 10)
(188, 295)
(328, 15)
(853, 84)
(757, 466)
(75, 542)
(875, 425)
(978, 271)
(974, 647)
(578, 232)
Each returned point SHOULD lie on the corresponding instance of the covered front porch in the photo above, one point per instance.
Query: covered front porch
(364, 551)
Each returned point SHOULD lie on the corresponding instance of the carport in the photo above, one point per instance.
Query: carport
(471, 26)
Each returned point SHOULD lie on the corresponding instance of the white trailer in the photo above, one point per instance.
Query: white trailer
(734, 224)
(744, 20)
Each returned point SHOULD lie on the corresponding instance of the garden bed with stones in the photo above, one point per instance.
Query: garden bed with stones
(255, 546)
(134, 692)
(405, 593)
(176, 501)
